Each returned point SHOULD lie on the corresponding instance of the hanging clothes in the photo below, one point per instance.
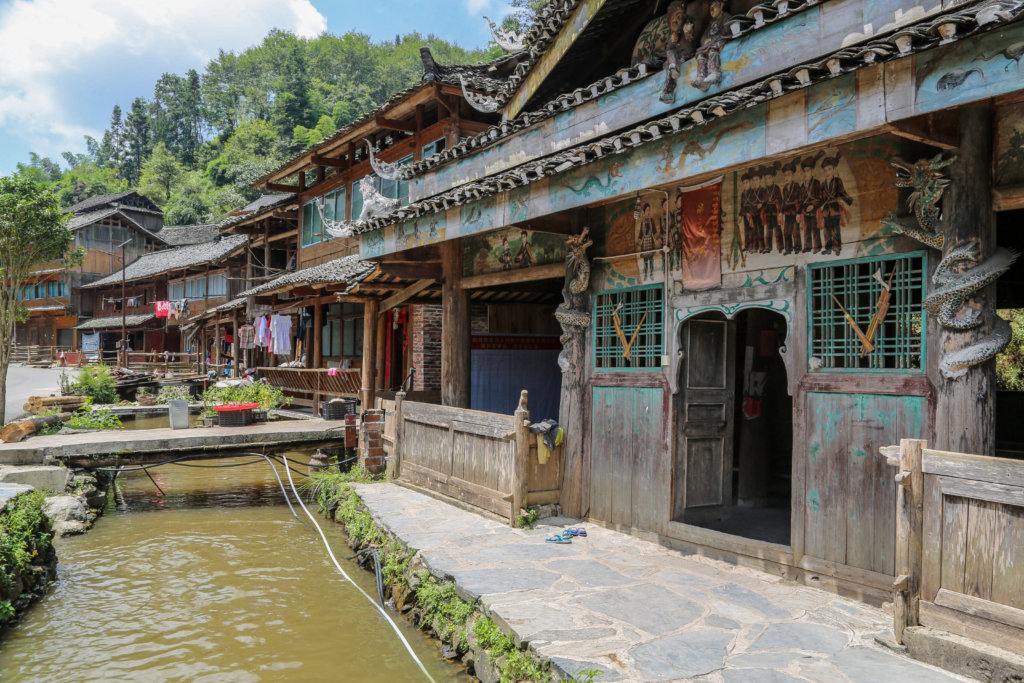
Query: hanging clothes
(246, 337)
(281, 334)
(262, 328)
(163, 309)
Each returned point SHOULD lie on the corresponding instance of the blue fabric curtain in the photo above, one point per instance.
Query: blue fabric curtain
(499, 375)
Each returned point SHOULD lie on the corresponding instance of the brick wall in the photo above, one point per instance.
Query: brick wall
(478, 319)
(371, 441)
(426, 347)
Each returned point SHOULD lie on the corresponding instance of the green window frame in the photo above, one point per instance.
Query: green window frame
(641, 312)
(899, 341)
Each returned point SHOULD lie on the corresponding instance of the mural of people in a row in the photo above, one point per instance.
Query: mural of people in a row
(785, 207)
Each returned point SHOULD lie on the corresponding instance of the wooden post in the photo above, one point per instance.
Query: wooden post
(382, 331)
(370, 309)
(395, 461)
(266, 247)
(235, 346)
(216, 345)
(909, 533)
(248, 264)
(519, 483)
(455, 329)
(964, 409)
(318, 335)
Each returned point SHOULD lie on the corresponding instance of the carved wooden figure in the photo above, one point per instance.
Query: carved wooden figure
(709, 58)
(680, 47)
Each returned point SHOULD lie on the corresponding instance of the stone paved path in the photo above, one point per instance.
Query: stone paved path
(642, 612)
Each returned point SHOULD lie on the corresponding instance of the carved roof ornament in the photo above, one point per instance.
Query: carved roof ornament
(375, 205)
(388, 171)
(480, 102)
(507, 39)
(332, 227)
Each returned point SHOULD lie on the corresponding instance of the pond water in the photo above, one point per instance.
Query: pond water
(213, 581)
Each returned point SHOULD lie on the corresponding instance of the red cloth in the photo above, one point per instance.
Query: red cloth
(702, 238)
(163, 309)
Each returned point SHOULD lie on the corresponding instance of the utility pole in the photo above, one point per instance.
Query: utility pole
(124, 306)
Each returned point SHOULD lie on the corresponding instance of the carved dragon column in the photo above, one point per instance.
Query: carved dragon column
(573, 314)
(965, 410)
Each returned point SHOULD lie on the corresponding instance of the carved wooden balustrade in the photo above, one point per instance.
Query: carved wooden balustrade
(314, 384)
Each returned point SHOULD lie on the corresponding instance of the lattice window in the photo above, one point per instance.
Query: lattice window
(896, 340)
(636, 342)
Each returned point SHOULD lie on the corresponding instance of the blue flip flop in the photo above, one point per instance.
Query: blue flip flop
(575, 531)
(559, 538)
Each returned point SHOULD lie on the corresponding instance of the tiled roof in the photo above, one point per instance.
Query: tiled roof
(348, 269)
(114, 321)
(900, 43)
(113, 199)
(40, 309)
(174, 259)
(80, 220)
(263, 205)
(180, 235)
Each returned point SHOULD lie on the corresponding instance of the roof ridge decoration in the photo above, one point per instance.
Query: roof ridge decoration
(938, 30)
(386, 170)
(481, 102)
(507, 39)
(374, 205)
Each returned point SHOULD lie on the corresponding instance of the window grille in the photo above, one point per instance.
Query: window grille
(898, 341)
(641, 322)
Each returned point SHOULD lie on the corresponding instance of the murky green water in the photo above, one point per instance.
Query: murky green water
(214, 581)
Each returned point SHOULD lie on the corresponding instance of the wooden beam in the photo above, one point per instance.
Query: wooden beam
(1008, 198)
(406, 294)
(474, 126)
(288, 215)
(505, 277)
(278, 187)
(392, 124)
(439, 96)
(336, 162)
(410, 270)
(938, 130)
(366, 394)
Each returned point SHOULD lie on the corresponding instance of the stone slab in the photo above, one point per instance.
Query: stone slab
(43, 477)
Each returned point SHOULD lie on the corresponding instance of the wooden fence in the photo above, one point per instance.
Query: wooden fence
(486, 460)
(314, 383)
(959, 544)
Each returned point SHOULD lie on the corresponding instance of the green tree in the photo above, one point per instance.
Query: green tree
(1010, 363)
(32, 232)
(137, 141)
(160, 174)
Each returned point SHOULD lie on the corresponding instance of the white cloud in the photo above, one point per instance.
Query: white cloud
(54, 52)
(495, 9)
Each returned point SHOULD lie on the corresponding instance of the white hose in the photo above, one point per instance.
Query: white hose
(330, 552)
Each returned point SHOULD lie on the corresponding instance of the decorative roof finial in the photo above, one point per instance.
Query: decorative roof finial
(480, 102)
(507, 39)
(388, 171)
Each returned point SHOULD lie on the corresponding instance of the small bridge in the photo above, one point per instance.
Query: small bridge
(135, 447)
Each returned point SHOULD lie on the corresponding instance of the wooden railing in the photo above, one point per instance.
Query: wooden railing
(35, 353)
(959, 544)
(314, 383)
(486, 460)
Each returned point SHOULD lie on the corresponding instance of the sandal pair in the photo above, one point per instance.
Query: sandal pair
(559, 538)
(575, 531)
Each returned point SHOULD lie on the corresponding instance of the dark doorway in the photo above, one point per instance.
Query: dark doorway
(733, 463)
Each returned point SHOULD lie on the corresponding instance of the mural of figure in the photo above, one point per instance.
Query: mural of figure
(756, 217)
(709, 54)
(679, 48)
(812, 204)
(792, 202)
(505, 257)
(771, 206)
(744, 211)
(646, 242)
(663, 224)
(675, 240)
(524, 257)
(834, 195)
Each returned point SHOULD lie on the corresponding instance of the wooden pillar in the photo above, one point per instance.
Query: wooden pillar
(394, 464)
(909, 535)
(266, 246)
(455, 328)
(370, 309)
(216, 345)
(248, 265)
(382, 331)
(520, 485)
(965, 407)
(318, 335)
(237, 360)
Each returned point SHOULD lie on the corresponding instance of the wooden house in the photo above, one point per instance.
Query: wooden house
(759, 292)
(100, 224)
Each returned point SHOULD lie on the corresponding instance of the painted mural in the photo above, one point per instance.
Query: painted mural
(970, 70)
(424, 230)
(1010, 146)
(511, 249)
(808, 208)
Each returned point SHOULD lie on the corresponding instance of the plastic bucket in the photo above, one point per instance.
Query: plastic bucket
(178, 411)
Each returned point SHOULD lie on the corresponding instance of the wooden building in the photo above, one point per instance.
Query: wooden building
(100, 224)
(757, 293)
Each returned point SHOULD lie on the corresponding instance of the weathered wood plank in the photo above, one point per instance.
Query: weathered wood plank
(773, 552)
(982, 518)
(982, 490)
(954, 542)
(969, 626)
(1008, 561)
(845, 572)
(931, 539)
(648, 442)
(975, 467)
(981, 608)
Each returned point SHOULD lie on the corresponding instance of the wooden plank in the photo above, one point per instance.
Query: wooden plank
(858, 499)
(484, 430)
(729, 543)
(954, 543)
(864, 577)
(981, 608)
(542, 497)
(1008, 198)
(406, 294)
(968, 626)
(429, 412)
(982, 490)
(816, 475)
(931, 539)
(600, 454)
(506, 277)
(909, 532)
(976, 467)
(982, 518)
(648, 440)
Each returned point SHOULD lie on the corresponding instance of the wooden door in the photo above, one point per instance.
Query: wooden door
(703, 461)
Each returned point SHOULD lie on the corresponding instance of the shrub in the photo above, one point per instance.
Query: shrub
(98, 418)
(96, 383)
(24, 534)
(269, 397)
(181, 392)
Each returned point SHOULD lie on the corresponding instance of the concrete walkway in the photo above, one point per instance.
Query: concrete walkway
(24, 382)
(639, 611)
(138, 444)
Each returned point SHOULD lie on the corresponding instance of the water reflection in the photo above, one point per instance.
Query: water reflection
(214, 581)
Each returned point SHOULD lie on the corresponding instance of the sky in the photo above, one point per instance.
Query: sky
(64, 64)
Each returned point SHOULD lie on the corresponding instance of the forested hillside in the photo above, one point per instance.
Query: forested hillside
(197, 141)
